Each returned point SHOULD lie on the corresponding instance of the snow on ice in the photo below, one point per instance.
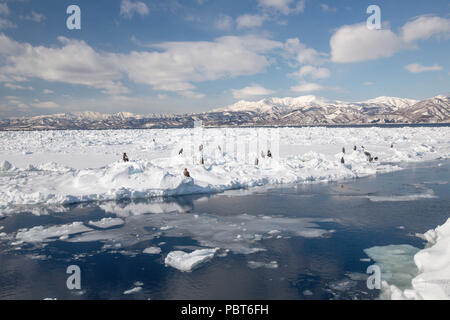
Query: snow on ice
(152, 250)
(54, 168)
(410, 273)
(106, 223)
(76, 166)
(187, 262)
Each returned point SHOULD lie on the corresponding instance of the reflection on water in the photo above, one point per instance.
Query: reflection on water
(303, 241)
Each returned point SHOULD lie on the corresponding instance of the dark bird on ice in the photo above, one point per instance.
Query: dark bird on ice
(186, 173)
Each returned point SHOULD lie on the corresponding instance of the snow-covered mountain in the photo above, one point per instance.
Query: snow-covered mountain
(304, 110)
(273, 105)
(276, 105)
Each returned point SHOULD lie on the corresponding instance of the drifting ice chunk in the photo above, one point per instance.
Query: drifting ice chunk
(257, 264)
(396, 263)
(106, 223)
(41, 234)
(433, 281)
(152, 250)
(134, 290)
(187, 262)
(5, 166)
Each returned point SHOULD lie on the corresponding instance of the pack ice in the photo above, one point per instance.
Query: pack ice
(61, 167)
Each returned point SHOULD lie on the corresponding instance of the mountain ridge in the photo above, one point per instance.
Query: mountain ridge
(288, 111)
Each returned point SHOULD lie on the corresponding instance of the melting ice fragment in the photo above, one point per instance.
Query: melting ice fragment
(187, 262)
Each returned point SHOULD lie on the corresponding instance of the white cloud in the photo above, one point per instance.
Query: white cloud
(15, 105)
(192, 94)
(34, 16)
(354, 43)
(224, 23)
(173, 66)
(45, 105)
(250, 21)
(251, 92)
(307, 87)
(302, 54)
(128, 8)
(47, 91)
(417, 68)
(313, 72)
(4, 10)
(284, 6)
(75, 63)
(425, 27)
(178, 64)
(14, 86)
(327, 8)
(357, 43)
(6, 24)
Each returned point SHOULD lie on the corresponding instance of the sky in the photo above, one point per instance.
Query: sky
(183, 56)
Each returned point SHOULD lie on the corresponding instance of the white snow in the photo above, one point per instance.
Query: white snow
(409, 197)
(42, 234)
(307, 293)
(152, 250)
(106, 223)
(431, 279)
(76, 166)
(209, 230)
(133, 290)
(396, 263)
(186, 262)
(5, 166)
(258, 264)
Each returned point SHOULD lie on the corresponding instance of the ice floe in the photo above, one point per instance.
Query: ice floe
(240, 233)
(152, 250)
(133, 290)
(420, 274)
(106, 223)
(187, 262)
(259, 264)
(42, 234)
(75, 166)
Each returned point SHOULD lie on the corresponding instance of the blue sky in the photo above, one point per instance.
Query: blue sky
(180, 56)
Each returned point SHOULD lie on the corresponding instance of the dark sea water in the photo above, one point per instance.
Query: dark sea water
(311, 240)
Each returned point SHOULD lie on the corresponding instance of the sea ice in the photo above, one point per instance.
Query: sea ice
(106, 223)
(133, 290)
(396, 263)
(152, 250)
(5, 166)
(186, 262)
(428, 270)
(258, 264)
(75, 166)
(42, 234)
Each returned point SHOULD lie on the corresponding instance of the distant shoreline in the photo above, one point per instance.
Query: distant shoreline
(353, 125)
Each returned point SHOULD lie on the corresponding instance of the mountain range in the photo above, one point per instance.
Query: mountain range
(299, 111)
